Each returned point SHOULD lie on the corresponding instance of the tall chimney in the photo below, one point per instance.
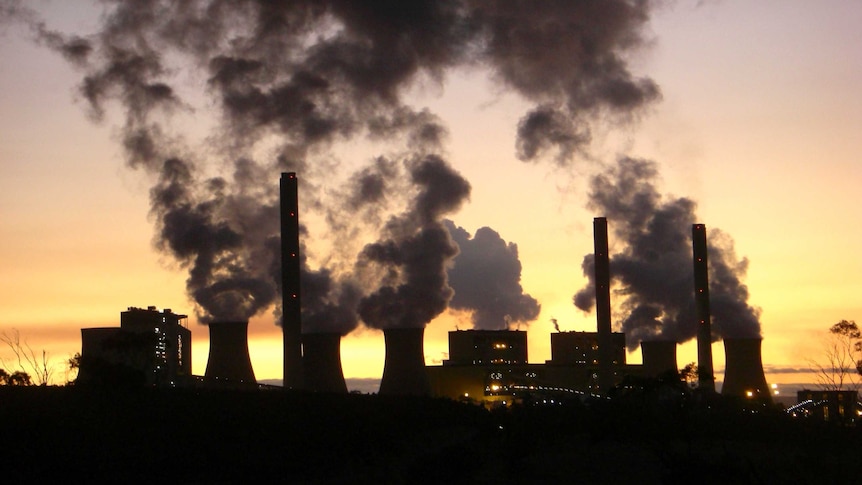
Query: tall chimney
(229, 364)
(743, 369)
(321, 362)
(603, 303)
(706, 376)
(404, 367)
(291, 318)
(659, 357)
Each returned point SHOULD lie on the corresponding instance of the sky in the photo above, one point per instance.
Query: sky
(754, 132)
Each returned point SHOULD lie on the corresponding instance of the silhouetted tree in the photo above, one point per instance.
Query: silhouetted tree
(26, 359)
(841, 364)
(19, 378)
(690, 375)
(74, 365)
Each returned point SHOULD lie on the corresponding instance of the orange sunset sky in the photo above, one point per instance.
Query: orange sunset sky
(759, 123)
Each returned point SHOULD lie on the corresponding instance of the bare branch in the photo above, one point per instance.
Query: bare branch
(840, 367)
(27, 361)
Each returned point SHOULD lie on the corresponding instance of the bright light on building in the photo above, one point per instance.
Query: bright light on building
(749, 393)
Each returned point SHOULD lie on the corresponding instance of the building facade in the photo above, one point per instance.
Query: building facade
(150, 346)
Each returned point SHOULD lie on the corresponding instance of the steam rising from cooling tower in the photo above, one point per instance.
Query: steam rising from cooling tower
(486, 278)
(652, 266)
(276, 84)
(415, 252)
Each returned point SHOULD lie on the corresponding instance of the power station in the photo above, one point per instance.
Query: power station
(490, 366)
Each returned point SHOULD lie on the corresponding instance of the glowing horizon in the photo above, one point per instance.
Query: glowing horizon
(759, 127)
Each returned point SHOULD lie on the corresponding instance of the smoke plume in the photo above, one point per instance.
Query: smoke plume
(274, 85)
(416, 251)
(653, 270)
(486, 278)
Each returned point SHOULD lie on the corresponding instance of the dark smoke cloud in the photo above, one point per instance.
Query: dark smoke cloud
(416, 252)
(289, 79)
(222, 239)
(328, 305)
(486, 277)
(653, 271)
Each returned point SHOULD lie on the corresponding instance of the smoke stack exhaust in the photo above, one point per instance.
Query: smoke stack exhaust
(603, 303)
(321, 362)
(229, 364)
(290, 270)
(404, 368)
(659, 357)
(743, 371)
(706, 375)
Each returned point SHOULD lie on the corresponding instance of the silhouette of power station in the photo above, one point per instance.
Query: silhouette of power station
(485, 365)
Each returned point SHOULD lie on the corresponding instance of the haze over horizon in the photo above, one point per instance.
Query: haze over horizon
(741, 116)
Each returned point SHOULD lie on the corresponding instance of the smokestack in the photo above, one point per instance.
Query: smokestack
(659, 357)
(229, 364)
(321, 362)
(603, 303)
(404, 368)
(706, 376)
(290, 270)
(743, 371)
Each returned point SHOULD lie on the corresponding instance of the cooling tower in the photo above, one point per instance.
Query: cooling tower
(706, 375)
(290, 271)
(743, 374)
(603, 303)
(659, 357)
(404, 367)
(229, 364)
(321, 362)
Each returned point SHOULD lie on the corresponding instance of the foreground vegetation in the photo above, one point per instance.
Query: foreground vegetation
(70, 434)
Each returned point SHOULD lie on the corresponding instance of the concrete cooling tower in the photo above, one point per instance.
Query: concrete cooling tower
(404, 367)
(321, 363)
(743, 374)
(659, 357)
(229, 364)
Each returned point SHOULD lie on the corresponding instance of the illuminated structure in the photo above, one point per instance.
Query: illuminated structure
(151, 346)
(490, 366)
(476, 347)
(568, 348)
(842, 406)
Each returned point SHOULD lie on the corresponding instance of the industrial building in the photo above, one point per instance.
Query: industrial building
(149, 346)
(842, 406)
(490, 366)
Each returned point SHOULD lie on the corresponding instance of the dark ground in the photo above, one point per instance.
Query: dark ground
(75, 435)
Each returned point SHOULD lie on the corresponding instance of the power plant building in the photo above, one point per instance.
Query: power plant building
(490, 366)
(149, 345)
